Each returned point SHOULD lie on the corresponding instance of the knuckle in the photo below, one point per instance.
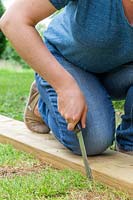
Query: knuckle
(76, 117)
(66, 116)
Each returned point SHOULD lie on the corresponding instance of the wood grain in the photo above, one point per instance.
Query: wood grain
(112, 168)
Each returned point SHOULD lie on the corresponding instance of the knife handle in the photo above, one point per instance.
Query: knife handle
(78, 127)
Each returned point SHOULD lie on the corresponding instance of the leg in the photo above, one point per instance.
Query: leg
(99, 132)
(120, 86)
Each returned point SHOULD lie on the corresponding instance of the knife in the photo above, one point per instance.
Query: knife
(78, 131)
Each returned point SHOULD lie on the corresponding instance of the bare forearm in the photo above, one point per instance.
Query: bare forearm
(18, 24)
(31, 48)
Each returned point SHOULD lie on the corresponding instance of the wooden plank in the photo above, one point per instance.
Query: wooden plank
(112, 168)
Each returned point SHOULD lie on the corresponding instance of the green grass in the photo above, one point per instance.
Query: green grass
(11, 157)
(53, 184)
(47, 183)
(14, 89)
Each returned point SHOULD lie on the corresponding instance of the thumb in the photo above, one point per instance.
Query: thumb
(71, 126)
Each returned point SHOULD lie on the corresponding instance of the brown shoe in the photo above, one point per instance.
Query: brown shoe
(33, 122)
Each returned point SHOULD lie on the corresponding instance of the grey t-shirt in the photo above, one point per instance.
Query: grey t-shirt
(93, 34)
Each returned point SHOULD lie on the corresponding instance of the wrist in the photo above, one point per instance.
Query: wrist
(66, 83)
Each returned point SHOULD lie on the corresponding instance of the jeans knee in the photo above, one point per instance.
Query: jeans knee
(94, 146)
(97, 145)
(92, 149)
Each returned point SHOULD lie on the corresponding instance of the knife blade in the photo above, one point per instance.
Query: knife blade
(78, 131)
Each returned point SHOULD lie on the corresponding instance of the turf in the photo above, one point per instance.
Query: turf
(12, 158)
(14, 88)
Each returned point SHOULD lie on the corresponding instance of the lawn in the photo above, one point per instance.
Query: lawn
(14, 88)
(23, 177)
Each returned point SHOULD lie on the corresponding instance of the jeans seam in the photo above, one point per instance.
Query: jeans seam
(56, 117)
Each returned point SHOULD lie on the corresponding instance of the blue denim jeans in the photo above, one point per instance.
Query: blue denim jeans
(99, 90)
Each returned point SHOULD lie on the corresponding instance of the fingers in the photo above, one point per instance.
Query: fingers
(72, 122)
(71, 109)
(83, 117)
(71, 126)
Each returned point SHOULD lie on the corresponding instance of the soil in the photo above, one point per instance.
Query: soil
(85, 195)
(8, 171)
